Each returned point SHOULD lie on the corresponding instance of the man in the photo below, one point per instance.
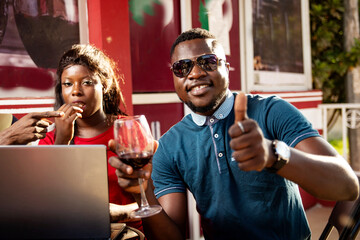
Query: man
(240, 157)
(29, 128)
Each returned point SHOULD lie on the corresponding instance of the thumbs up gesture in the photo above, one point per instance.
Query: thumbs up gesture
(249, 145)
(240, 107)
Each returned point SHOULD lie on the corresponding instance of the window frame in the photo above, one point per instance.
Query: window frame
(252, 80)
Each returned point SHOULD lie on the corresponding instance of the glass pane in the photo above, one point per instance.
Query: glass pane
(33, 36)
(277, 36)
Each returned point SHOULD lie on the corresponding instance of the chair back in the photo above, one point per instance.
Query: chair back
(5, 120)
(345, 217)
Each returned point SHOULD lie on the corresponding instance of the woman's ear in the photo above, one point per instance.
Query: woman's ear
(227, 66)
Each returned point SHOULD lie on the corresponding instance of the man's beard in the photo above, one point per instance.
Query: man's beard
(212, 106)
(201, 109)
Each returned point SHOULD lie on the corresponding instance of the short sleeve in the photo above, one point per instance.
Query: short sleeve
(287, 123)
(49, 139)
(165, 175)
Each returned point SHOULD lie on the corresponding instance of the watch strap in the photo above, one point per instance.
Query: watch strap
(279, 162)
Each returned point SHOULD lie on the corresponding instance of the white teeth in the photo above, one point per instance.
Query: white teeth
(80, 105)
(200, 87)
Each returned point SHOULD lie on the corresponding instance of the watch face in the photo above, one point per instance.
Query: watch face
(283, 150)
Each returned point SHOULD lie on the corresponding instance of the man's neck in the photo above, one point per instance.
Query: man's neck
(212, 111)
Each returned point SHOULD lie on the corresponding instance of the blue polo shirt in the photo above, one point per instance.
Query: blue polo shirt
(233, 204)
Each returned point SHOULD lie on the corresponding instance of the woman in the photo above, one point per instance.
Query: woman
(88, 93)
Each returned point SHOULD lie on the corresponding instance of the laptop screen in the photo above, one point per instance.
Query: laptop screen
(57, 191)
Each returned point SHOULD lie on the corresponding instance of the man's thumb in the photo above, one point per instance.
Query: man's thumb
(240, 107)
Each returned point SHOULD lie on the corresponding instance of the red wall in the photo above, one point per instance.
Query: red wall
(151, 41)
(109, 30)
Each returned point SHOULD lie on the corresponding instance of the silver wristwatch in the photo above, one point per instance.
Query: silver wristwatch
(282, 153)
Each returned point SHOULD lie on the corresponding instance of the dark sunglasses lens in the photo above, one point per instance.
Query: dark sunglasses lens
(182, 68)
(208, 62)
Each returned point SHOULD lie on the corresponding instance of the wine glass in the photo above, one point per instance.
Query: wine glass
(135, 147)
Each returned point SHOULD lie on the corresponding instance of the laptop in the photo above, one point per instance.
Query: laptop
(54, 192)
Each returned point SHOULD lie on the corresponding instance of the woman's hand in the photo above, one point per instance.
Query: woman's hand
(31, 127)
(65, 125)
(122, 213)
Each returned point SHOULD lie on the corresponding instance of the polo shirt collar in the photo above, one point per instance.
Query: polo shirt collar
(221, 113)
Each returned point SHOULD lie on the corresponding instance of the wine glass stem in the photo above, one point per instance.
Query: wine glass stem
(144, 202)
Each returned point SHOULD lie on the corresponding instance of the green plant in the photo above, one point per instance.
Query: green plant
(338, 145)
(330, 61)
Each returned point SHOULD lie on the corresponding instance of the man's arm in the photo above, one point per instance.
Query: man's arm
(314, 164)
(170, 223)
(320, 170)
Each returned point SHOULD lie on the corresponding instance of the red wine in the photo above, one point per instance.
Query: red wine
(136, 160)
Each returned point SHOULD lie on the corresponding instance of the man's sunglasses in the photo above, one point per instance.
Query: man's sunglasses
(208, 62)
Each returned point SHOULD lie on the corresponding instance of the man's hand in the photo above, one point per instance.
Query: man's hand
(127, 176)
(31, 127)
(249, 145)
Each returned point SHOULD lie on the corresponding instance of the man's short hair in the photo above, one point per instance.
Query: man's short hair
(195, 33)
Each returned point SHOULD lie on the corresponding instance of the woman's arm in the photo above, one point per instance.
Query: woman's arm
(122, 213)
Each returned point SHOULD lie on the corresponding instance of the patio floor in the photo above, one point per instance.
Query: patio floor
(317, 217)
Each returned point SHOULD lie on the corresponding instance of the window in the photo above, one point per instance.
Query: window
(277, 45)
(33, 36)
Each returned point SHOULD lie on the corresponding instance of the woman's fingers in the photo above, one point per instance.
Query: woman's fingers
(71, 112)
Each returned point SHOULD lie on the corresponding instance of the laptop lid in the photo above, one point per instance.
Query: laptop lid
(57, 191)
